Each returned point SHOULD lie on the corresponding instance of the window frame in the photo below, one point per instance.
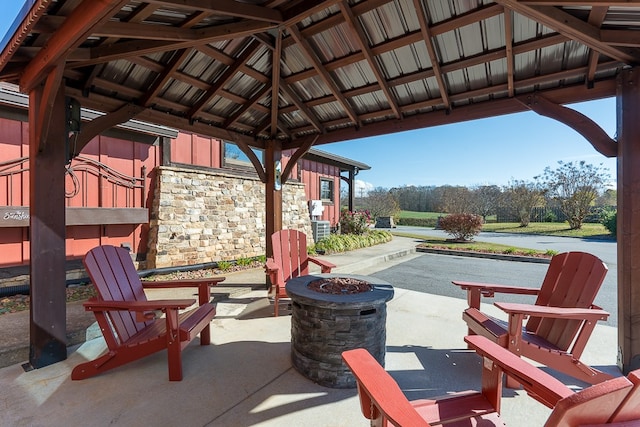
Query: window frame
(243, 161)
(331, 190)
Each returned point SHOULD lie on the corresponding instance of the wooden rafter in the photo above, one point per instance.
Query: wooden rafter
(228, 8)
(361, 39)
(275, 83)
(129, 49)
(227, 75)
(508, 50)
(76, 28)
(433, 57)
(596, 17)
(304, 110)
(247, 105)
(572, 27)
(324, 75)
(162, 78)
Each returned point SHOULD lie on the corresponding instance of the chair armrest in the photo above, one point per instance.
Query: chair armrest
(271, 266)
(489, 289)
(325, 266)
(171, 304)
(377, 388)
(476, 290)
(554, 312)
(540, 385)
(145, 310)
(186, 283)
(203, 284)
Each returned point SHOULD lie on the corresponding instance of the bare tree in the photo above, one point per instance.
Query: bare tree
(455, 199)
(486, 199)
(382, 202)
(522, 196)
(575, 186)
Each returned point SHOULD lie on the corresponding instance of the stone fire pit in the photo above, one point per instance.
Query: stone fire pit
(332, 313)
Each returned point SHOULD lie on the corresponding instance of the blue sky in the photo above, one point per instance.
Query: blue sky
(489, 151)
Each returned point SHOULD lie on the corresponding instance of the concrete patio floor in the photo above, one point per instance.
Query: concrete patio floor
(245, 378)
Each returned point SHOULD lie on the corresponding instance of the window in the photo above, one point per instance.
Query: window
(326, 190)
(234, 157)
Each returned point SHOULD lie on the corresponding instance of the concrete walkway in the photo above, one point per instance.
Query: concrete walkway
(245, 378)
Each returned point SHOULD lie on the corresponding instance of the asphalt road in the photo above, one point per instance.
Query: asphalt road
(433, 273)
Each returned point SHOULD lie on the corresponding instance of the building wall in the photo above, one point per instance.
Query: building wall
(200, 217)
(84, 190)
(232, 223)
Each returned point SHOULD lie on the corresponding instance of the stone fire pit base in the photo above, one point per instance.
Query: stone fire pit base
(323, 325)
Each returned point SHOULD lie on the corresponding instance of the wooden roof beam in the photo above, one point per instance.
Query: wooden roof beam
(76, 28)
(596, 18)
(508, 50)
(572, 27)
(307, 50)
(134, 48)
(227, 8)
(300, 105)
(227, 75)
(161, 79)
(276, 57)
(361, 39)
(246, 106)
(435, 62)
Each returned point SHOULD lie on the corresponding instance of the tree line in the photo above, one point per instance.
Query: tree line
(569, 192)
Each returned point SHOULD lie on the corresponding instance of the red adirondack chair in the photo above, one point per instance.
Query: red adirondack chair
(290, 260)
(383, 402)
(128, 320)
(559, 323)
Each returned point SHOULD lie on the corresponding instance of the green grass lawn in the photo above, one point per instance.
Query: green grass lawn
(588, 230)
(412, 214)
(443, 243)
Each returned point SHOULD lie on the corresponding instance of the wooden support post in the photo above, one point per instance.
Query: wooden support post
(628, 227)
(273, 192)
(352, 190)
(48, 337)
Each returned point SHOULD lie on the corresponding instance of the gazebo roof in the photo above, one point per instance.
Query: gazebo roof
(340, 70)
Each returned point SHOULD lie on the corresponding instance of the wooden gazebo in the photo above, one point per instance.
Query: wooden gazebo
(337, 70)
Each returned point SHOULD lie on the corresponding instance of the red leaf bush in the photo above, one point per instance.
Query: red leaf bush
(462, 226)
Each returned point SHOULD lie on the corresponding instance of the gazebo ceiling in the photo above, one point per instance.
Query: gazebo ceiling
(339, 69)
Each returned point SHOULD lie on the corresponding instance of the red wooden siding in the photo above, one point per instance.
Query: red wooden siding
(196, 150)
(124, 156)
(127, 157)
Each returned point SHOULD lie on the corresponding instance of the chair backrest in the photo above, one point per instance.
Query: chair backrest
(290, 254)
(593, 405)
(572, 280)
(115, 278)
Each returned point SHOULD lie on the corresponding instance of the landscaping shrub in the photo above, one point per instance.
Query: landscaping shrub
(354, 222)
(610, 221)
(336, 243)
(462, 226)
(417, 222)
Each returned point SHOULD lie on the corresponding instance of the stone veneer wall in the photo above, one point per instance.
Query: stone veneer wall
(200, 216)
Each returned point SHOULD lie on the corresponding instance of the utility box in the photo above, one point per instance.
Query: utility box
(320, 229)
(315, 208)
